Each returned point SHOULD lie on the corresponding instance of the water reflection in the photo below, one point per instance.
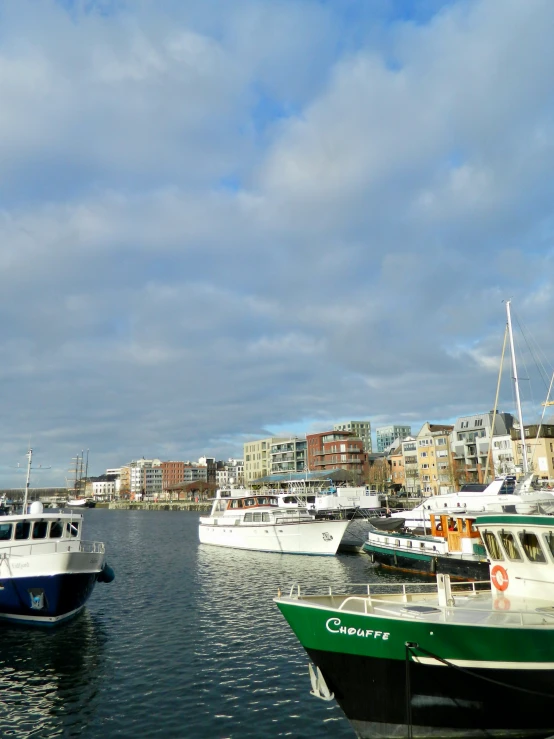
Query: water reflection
(49, 679)
(246, 654)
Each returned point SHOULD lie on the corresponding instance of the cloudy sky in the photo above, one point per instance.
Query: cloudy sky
(223, 220)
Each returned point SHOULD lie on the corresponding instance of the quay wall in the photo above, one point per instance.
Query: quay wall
(149, 506)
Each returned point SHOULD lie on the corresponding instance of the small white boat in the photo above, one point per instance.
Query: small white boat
(258, 523)
(81, 503)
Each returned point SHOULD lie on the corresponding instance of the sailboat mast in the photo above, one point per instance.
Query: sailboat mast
(516, 384)
(29, 458)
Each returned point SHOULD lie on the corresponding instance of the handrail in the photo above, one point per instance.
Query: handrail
(60, 546)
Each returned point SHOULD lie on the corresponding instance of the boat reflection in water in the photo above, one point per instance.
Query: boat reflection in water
(49, 680)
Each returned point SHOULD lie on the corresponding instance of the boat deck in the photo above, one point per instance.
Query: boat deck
(469, 604)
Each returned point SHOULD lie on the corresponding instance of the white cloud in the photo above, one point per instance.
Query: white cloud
(221, 211)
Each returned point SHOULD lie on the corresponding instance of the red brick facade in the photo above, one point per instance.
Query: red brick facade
(332, 450)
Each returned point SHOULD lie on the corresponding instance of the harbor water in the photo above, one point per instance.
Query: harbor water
(185, 643)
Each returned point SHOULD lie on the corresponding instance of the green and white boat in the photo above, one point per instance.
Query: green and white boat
(443, 659)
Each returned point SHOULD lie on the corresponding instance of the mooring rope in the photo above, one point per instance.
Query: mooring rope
(412, 646)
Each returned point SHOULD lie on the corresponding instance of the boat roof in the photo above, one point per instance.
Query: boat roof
(515, 519)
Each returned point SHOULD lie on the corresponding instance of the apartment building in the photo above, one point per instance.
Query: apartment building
(539, 442)
(289, 455)
(503, 462)
(387, 435)
(411, 467)
(230, 472)
(173, 472)
(471, 443)
(145, 478)
(395, 458)
(434, 459)
(331, 450)
(361, 429)
(257, 458)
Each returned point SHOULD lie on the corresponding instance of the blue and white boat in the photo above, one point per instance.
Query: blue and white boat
(47, 571)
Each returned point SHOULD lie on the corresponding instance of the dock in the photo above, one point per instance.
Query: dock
(175, 505)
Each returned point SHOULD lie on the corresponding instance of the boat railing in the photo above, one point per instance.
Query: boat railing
(405, 601)
(53, 547)
(406, 590)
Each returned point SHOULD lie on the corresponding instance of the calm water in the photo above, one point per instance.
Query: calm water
(186, 642)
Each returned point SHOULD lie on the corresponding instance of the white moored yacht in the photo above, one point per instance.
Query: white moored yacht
(258, 523)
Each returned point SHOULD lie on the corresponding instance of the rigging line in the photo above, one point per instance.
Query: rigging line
(538, 348)
(489, 455)
(412, 646)
(540, 367)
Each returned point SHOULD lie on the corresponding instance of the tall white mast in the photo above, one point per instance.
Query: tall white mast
(516, 384)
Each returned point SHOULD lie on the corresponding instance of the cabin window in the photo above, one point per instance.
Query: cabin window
(56, 530)
(247, 518)
(510, 546)
(531, 546)
(5, 531)
(72, 528)
(249, 501)
(549, 539)
(491, 543)
(39, 529)
(22, 530)
(257, 517)
(266, 517)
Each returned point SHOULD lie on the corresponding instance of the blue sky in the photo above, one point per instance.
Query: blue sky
(220, 219)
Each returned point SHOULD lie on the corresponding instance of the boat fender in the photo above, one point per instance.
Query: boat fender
(502, 604)
(106, 574)
(499, 578)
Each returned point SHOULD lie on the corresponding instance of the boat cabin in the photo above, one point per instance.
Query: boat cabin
(24, 531)
(521, 554)
(458, 531)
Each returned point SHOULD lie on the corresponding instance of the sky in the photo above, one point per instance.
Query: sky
(222, 221)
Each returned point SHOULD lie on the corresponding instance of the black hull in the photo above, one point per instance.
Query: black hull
(444, 702)
(456, 568)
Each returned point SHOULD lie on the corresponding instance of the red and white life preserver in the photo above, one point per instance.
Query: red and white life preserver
(502, 604)
(499, 578)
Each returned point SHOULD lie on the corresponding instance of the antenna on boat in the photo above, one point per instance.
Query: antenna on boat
(28, 480)
(516, 384)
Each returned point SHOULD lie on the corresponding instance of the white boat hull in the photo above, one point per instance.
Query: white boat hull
(309, 537)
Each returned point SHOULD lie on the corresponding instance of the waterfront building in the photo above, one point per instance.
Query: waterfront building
(289, 455)
(361, 429)
(397, 477)
(115, 474)
(503, 462)
(173, 472)
(434, 459)
(101, 488)
(257, 457)
(145, 478)
(331, 450)
(386, 435)
(210, 464)
(471, 444)
(411, 468)
(230, 473)
(539, 440)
